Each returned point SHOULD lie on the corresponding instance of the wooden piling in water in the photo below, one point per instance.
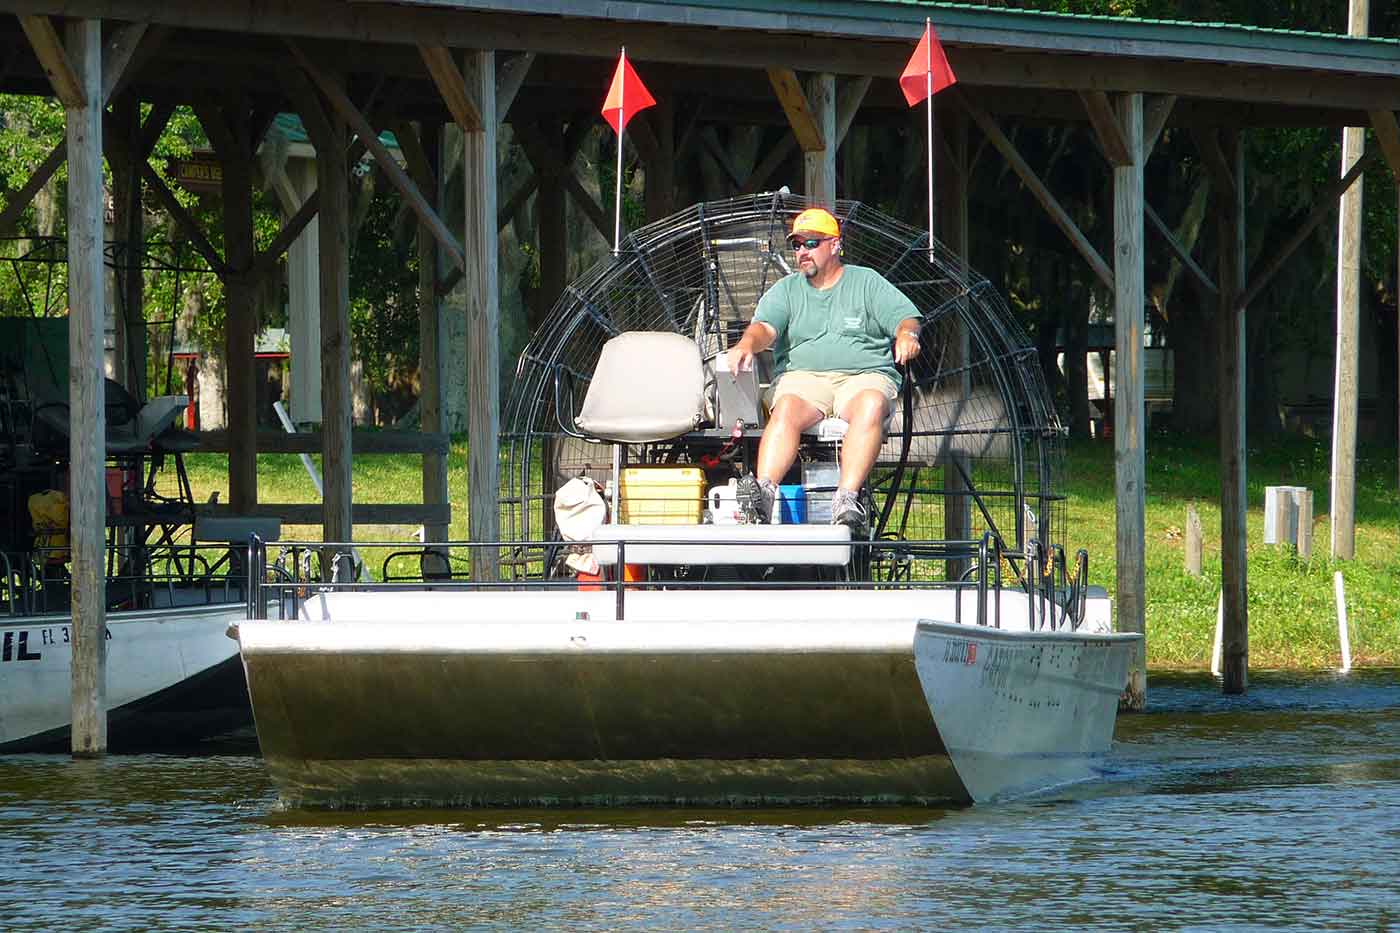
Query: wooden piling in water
(87, 415)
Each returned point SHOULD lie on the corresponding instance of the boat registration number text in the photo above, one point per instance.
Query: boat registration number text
(21, 645)
(997, 661)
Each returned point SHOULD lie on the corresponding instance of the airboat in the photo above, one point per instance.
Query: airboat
(173, 583)
(643, 643)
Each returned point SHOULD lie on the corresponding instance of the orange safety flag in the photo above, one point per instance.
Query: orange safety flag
(626, 96)
(928, 60)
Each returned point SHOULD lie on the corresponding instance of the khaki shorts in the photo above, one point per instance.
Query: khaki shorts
(830, 391)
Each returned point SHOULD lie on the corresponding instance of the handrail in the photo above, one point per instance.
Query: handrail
(293, 583)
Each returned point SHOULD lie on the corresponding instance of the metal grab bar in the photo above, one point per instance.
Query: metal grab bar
(296, 577)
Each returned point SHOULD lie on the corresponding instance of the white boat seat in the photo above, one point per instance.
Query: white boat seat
(647, 386)
(824, 545)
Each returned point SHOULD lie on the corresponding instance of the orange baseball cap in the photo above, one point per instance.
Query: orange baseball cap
(816, 220)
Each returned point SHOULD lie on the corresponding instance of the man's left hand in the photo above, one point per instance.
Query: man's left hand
(906, 347)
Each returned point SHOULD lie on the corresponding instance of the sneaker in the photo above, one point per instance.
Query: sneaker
(847, 510)
(755, 497)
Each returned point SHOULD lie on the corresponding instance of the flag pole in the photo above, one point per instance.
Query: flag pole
(617, 196)
(928, 85)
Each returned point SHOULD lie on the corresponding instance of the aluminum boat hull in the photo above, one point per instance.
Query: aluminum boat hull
(391, 700)
(172, 677)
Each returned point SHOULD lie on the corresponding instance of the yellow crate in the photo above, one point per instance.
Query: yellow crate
(662, 495)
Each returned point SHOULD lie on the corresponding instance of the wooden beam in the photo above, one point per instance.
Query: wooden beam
(509, 81)
(118, 56)
(660, 194)
(314, 513)
(18, 201)
(448, 79)
(709, 138)
(1110, 133)
(1325, 203)
(87, 291)
(309, 442)
(547, 160)
(764, 170)
(414, 157)
(21, 199)
(803, 121)
(643, 137)
(1208, 144)
(183, 219)
(1159, 109)
(1388, 136)
(1141, 57)
(341, 103)
(514, 202)
(1042, 194)
(48, 48)
(1179, 250)
(309, 107)
(268, 258)
(848, 103)
(156, 121)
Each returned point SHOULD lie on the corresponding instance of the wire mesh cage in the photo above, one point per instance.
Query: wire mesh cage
(974, 445)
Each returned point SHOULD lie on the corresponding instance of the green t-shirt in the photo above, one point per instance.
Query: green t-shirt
(847, 328)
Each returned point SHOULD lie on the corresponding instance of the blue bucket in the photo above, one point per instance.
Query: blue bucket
(792, 504)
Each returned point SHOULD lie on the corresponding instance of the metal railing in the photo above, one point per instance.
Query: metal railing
(1056, 597)
(136, 576)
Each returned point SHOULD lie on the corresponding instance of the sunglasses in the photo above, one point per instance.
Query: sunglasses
(811, 242)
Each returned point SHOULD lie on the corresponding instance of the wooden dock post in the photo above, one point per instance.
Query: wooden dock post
(1233, 502)
(952, 171)
(228, 126)
(1344, 394)
(327, 131)
(1129, 394)
(87, 415)
(820, 164)
(425, 166)
(1304, 500)
(483, 317)
(1194, 541)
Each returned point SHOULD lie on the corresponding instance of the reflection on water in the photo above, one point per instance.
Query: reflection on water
(1278, 810)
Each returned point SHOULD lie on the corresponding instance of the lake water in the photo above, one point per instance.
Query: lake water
(1280, 810)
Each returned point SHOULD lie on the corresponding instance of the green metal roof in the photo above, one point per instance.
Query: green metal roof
(956, 24)
(952, 16)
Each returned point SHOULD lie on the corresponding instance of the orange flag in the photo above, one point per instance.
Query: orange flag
(626, 96)
(928, 60)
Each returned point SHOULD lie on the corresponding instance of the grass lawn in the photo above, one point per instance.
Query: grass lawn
(1292, 612)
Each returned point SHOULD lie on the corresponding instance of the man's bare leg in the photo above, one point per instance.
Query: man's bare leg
(865, 413)
(778, 447)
